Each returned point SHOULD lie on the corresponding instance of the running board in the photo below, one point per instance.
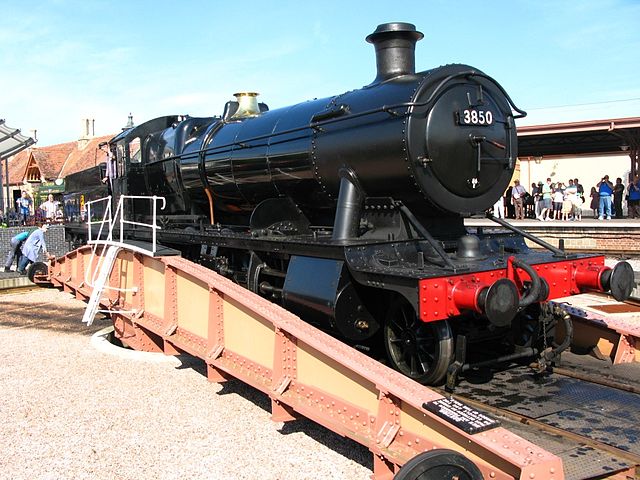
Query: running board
(184, 307)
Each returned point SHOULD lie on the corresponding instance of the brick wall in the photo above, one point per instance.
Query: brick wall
(54, 239)
(607, 239)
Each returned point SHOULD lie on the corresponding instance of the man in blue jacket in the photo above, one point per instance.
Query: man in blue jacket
(31, 248)
(15, 251)
(605, 188)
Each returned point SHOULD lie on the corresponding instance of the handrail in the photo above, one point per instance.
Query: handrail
(111, 220)
(119, 218)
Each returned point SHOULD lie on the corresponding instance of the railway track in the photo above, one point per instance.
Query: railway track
(588, 416)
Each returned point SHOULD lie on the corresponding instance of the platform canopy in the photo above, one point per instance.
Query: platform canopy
(579, 138)
(593, 136)
(11, 141)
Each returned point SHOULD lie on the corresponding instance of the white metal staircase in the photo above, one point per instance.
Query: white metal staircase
(105, 250)
(104, 269)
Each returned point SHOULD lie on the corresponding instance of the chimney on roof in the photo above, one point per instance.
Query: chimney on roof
(88, 131)
(130, 123)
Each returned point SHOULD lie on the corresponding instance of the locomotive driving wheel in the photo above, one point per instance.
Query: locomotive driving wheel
(421, 351)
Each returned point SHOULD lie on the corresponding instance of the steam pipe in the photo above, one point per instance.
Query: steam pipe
(534, 292)
(349, 209)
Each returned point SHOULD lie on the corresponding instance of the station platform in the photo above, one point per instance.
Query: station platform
(616, 236)
(13, 279)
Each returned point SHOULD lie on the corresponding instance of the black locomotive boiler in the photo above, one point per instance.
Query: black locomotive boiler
(349, 212)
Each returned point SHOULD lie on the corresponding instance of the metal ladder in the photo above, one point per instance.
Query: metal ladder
(108, 261)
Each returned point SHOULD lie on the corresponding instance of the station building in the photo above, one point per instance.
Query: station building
(585, 150)
(40, 171)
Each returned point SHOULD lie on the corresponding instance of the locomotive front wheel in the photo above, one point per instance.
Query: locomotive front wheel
(440, 464)
(421, 351)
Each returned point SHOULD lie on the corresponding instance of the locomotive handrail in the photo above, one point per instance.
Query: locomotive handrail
(558, 252)
(428, 237)
(344, 114)
(325, 118)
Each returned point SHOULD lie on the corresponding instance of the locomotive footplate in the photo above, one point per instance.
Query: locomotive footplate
(594, 428)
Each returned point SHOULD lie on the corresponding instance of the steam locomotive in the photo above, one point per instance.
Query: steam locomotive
(348, 211)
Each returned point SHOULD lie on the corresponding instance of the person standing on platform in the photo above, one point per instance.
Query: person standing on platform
(518, 193)
(571, 195)
(595, 201)
(618, 193)
(23, 207)
(498, 208)
(111, 171)
(31, 248)
(546, 212)
(15, 251)
(509, 207)
(634, 198)
(605, 190)
(580, 189)
(558, 198)
(535, 196)
(50, 207)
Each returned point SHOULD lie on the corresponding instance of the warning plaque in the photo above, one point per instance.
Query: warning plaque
(461, 415)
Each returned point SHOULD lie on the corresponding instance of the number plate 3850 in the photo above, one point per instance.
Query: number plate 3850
(475, 117)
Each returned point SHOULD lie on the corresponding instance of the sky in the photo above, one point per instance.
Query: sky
(65, 60)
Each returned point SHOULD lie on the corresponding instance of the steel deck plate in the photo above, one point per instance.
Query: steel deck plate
(579, 461)
(594, 411)
(617, 432)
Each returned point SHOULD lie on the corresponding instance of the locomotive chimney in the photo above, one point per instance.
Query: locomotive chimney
(395, 45)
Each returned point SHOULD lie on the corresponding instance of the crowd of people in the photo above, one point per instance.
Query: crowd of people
(548, 201)
(26, 213)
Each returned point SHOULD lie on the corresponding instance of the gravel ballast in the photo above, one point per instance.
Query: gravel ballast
(71, 411)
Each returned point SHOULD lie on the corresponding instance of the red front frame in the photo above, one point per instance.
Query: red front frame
(444, 297)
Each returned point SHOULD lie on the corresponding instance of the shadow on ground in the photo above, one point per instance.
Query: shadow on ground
(344, 446)
(47, 309)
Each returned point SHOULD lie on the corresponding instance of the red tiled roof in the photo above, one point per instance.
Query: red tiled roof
(89, 156)
(57, 161)
(17, 166)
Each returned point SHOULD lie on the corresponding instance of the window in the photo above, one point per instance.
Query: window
(135, 154)
(120, 159)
